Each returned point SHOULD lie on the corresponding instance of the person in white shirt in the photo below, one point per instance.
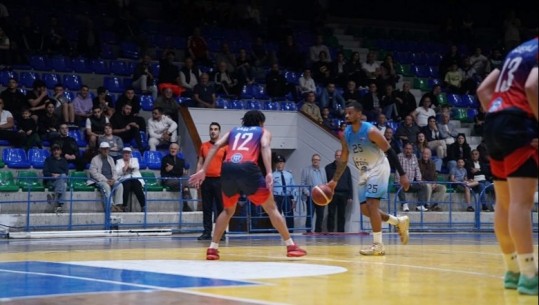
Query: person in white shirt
(161, 129)
(127, 168)
(421, 114)
(306, 83)
(314, 50)
(7, 123)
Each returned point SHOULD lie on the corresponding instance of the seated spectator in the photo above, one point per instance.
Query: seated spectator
(115, 143)
(70, 148)
(479, 120)
(125, 126)
(63, 106)
(14, 99)
(102, 170)
(453, 79)
(28, 128)
(434, 95)
(49, 123)
(327, 119)
(372, 104)
(422, 114)
(448, 129)
(381, 123)
(276, 85)
(460, 175)
(127, 167)
(168, 71)
(143, 77)
(338, 70)
(310, 108)
(350, 92)
(168, 103)
(393, 142)
(388, 73)
(479, 171)
(316, 48)
(189, 75)
(372, 69)
(420, 144)
(244, 69)
(333, 100)
(55, 172)
(172, 166)
(435, 138)
(261, 56)
(129, 97)
(198, 49)
(6, 128)
(82, 105)
(407, 131)
(289, 55)
(406, 102)
(434, 190)
(389, 101)
(104, 101)
(162, 130)
(354, 71)
(306, 83)
(95, 126)
(410, 165)
(224, 55)
(36, 99)
(225, 83)
(458, 150)
(204, 93)
(321, 69)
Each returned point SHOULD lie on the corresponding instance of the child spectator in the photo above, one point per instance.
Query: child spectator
(28, 126)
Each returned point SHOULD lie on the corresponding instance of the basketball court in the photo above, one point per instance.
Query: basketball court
(449, 268)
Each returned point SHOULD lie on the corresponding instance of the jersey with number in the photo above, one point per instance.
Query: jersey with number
(365, 154)
(244, 144)
(509, 92)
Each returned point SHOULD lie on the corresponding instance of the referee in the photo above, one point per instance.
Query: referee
(284, 191)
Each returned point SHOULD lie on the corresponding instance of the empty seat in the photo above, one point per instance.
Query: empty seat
(130, 50)
(420, 71)
(78, 181)
(15, 158)
(100, 66)
(254, 104)
(153, 159)
(30, 181)
(38, 62)
(77, 135)
(143, 139)
(51, 79)
(289, 106)
(469, 100)
(7, 182)
(61, 64)
(237, 104)
(152, 184)
(454, 100)
(37, 157)
(113, 84)
(421, 83)
(141, 161)
(271, 105)
(5, 75)
(27, 78)
(119, 67)
(146, 102)
(72, 81)
(221, 103)
(81, 65)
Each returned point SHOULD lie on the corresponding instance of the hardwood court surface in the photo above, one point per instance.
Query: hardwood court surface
(463, 268)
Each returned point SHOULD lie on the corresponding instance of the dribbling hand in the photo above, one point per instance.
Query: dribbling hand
(332, 184)
(404, 182)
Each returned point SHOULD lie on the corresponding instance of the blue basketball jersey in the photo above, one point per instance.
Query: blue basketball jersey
(365, 154)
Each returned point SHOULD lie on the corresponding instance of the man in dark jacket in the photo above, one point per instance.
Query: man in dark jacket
(70, 148)
(343, 195)
(56, 170)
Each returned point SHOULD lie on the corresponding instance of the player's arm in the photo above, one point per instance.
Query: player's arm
(377, 137)
(197, 178)
(341, 164)
(486, 88)
(531, 91)
(265, 150)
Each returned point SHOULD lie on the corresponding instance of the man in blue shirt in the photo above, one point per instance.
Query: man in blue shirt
(284, 191)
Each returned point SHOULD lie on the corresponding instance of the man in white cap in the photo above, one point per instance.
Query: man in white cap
(126, 168)
(102, 169)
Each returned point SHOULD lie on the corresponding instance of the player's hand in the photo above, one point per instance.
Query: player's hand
(269, 180)
(332, 184)
(404, 182)
(197, 178)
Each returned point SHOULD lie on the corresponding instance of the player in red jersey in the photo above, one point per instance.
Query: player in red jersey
(509, 96)
(241, 174)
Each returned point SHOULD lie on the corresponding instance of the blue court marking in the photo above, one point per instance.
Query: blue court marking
(34, 278)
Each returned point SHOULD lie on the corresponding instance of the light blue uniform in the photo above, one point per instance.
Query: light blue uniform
(371, 162)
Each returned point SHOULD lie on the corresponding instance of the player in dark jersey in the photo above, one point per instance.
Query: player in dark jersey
(509, 96)
(241, 174)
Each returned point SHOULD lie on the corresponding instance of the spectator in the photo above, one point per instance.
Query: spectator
(82, 105)
(372, 69)
(306, 83)
(224, 55)
(407, 131)
(479, 171)
(372, 104)
(261, 56)
(388, 73)
(389, 101)
(448, 130)
(244, 69)
(406, 102)
(410, 165)
(327, 119)
(162, 130)
(63, 106)
(126, 168)
(342, 197)
(321, 69)
(311, 176)
(129, 97)
(422, 114)
(198, 49)
(225, 82)
(70, 148)
(354, 70)
(458, 150)
(333, 100)
(115, 143)
(454, 78)
(351, 93)
(433, 189)
(420, 144)
(284, 191)
(173, 168)
(48, 124)
(338, 70)
(95, 126)
(435, 96)
(276, 86)
(125, 127)
(143, 77)
(28, 129)
(204, 94)
(6, 128)
(55, 172)
(189, 75)
(102, 170)
(168, 103)
(13, 98)
(310, 108)
(435, 138)
(168, 71)
(104, 101)
(381, 123)
(319, 46)
(459, 175)
(479, 121)
(393, 142)
(289, 54)
(36, 99)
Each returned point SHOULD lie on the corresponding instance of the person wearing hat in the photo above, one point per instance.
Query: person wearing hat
(284, 191)
(126, 168)
(55, 172)
(102, 170)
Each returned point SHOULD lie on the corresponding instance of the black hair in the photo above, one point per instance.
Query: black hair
(357, 106)
(216, 124)
(160, 109)
(253, 118)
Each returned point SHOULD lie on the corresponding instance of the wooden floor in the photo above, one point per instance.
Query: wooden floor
(432, 269)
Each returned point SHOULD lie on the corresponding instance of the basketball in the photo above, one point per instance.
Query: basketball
(322, 195)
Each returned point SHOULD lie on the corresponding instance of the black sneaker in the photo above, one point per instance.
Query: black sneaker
(470, 209)
(204, 236)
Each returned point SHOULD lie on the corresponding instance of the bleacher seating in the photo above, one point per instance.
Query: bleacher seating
(76, 134)
(7, 182)
(152, 184)
(29, 180)
(113, 84)
(153, 159)
(27, 78)
(146, 102)
(141, 161)
(72, 81)
(51, 79)
(81, 65)
(15, 158)
(5, 75)
(37, 157)
(79, 182)
(61, 64)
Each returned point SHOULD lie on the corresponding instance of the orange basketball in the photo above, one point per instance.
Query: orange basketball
(321, 194)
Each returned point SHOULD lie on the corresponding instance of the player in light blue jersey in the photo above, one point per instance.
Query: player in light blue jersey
(368, 147)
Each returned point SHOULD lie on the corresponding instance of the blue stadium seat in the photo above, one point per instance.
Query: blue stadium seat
(143, 138)
(37, 156)
(15, 158)
(70, 95)
(141, 162)
(113, 84)
(434, 71)
(100, 66)
(254, 104)
(260, 92)
(454, 100)
(76, 134)
(72, 82)
(51, 79)
(5, 75)
(27, 78)
(153, 159)
(420, 71)
(146, 102)
(38, 62)
(247, 92)
(130, 50)
(107, 51)
(271, 105)
(119, 67)
(221, 103)
(469, 100)
(61, 64)
(289, 106)
(81, 65)
(237, 104)
(471, 114)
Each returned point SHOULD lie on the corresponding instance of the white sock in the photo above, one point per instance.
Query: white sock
(393, 220)
(377, 237)
(527, 265)
(214, 245)
(289, 242)
(510, 261)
